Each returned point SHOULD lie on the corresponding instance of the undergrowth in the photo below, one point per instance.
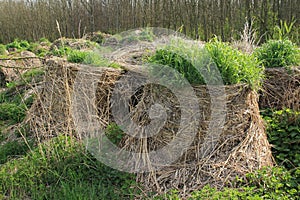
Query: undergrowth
(13, 105)
(61, 169)
(267, 184)
(283, 128)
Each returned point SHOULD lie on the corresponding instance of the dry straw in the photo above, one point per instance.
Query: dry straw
(281, 89)
(241, 148)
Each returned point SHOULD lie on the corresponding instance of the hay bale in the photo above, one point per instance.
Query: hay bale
(241, 148)
(281, 89)
(51, 113)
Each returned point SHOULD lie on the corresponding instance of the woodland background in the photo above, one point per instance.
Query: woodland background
(201, 19)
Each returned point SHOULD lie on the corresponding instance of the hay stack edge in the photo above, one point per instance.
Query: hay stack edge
(241, 148)
(281, 89)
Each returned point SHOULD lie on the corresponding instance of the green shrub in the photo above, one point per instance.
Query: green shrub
(145, 34)
(13, 149)
(114, 133)
(276, 183)
(36, 74)
(90, 58)
(179, 63)
(269, 183)
(38, 49)
(45, 41)
(97, 37)
(95, 59)
(284, 134)
(278, 53)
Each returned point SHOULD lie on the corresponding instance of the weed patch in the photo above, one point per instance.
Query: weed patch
(59, 169)
(284, 134)
(189, 60)
(278, 53)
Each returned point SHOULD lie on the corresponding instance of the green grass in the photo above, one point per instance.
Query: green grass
(90, 58)
(61, 51)
(13, 106)
(278, 53)
(13, 149)
(13, 112)
(2, 49)
(77, 56)
(235, 67)
(190, 61)
(19, 45)
(61, 169)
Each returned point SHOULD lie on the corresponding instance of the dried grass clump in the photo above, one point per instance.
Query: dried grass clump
(281, 89)
(241, 148)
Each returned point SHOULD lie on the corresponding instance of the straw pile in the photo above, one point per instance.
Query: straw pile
(281, 89)
(241, 148)
(51, 113)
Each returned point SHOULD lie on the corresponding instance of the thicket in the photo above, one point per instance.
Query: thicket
(32, 19)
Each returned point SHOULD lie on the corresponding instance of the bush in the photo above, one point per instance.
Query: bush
(275, 183)
(38, 49)
(278, 53)
(269, 183)
(145, 34)
(182, 65)
(95, 59)
(284, 134)
(45, 41)
(96, 37)
(12, 149)
(114, 133)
